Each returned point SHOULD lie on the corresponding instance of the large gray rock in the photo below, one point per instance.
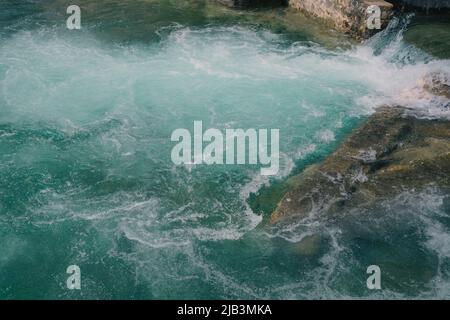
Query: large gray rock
(392, 152)
(349, 16)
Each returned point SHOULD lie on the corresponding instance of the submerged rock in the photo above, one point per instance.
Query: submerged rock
(308, 246)
(393, 151)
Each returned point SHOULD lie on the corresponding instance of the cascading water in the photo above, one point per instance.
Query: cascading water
(86, 176)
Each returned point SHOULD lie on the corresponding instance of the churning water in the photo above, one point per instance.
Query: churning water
(86, 176)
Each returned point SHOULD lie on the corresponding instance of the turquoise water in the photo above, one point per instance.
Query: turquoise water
(86, 176)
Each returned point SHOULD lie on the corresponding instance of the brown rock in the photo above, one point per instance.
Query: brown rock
(390, 153)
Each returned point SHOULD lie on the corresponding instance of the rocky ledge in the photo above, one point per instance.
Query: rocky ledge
(393, 151)
(348, 16)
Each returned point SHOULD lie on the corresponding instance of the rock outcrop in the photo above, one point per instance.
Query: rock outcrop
(392, 152)
(348, 16)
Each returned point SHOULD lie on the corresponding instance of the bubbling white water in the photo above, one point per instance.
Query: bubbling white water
(106, 113)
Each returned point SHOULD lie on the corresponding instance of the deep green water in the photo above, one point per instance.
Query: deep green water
(86, 176)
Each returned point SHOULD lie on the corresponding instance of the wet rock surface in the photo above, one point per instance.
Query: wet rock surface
(437, 84)
(392, 152)
(348, 16)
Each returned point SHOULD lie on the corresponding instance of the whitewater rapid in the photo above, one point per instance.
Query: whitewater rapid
(85, 161)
